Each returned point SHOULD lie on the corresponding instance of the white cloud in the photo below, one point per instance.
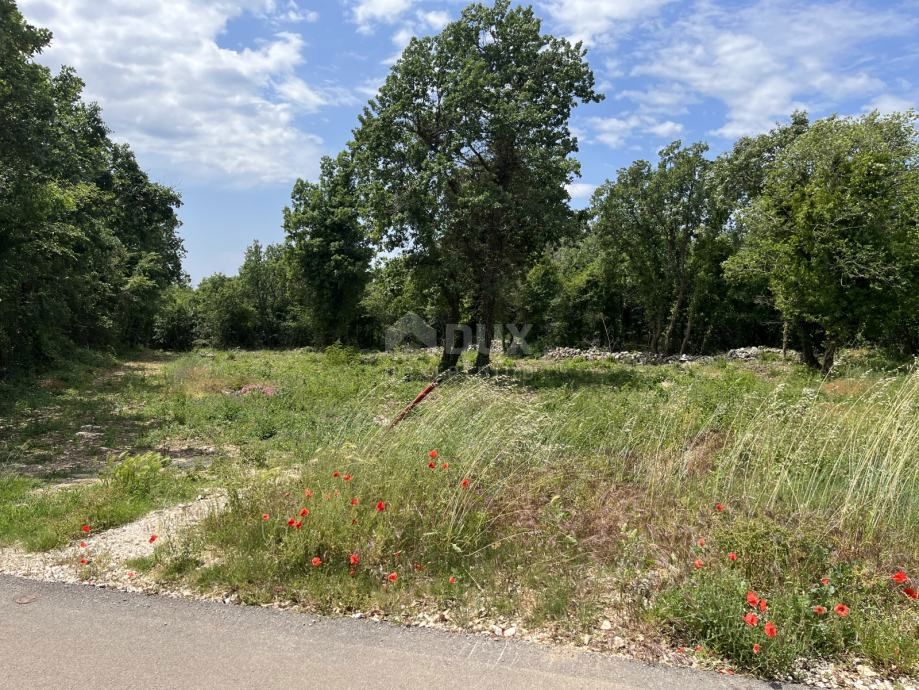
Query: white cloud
(888, 103)
(615, 131)
(366, 13)
(770, 58)
(182, 101)
(580, 190)
(598, 21)
(435, 20)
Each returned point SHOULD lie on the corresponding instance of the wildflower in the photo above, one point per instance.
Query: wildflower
(445, 466)
(751, 619)
(354, 501)
(824, 581)
(762, 605)
(911, 593)
(265, 517)
(352, 572)
(432, 465)
(899, 577)
(381, 506)
(131, 574)
(336, 474)
(732, 556)
(354, 559)
(347, 477)
(304, 512)
(316, 561)
(465, 483)
(82, 544)
(752, 599)
(841, 610)
(85, 528)
(152, 538)
(681, 650)
(432, 454)
(393, 576)
(452, 580)
(83, 561)
(308, 493)
(719, 507)
(756, 648)
(419, 567)
(770, 629)
(701, 541)
(819, 610)
(291, 522)
(698, 564)
(298, 524)
(698, 648)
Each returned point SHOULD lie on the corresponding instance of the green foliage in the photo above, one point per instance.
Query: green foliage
(464, 154)
(328, 249)
(835, 231)
(87, 242)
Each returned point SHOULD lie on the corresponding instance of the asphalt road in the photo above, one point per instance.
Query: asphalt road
(71, 636)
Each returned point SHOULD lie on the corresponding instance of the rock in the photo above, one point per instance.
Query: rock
(511, 631)
(606, 625)
(866, 671)
(618, 643)
(497, 630)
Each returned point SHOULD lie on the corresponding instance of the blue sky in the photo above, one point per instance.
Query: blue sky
(231, 101)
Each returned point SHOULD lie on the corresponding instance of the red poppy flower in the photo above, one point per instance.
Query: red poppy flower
(698, 648)
(819, 610)
(265, 516)
(719, 507)
(392, 577)
(465, 483)
(762, 605)
(899, 577)
(85, 528)
(381, 506)
(83, 561)
(770, 629)
(354, 501)
(911, 593)
(432, 465)
(824, 581)
(131, 574)
(432, 454)
(452, 580)
(732, 556)
(152, 538)
(354, 559)
(304, 512)
(347, 477)
(841, 610)
(308, 493)
(751, 619)
(291, 522)
(336, 474)
(298, 524)
(419, 567)
(752, 599)
(701, 541)
(82, 544)
(316, 561)
(698, 564)
(445, 466)
(756, 648)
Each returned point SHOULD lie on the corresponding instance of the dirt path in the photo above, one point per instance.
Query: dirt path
(107, 553)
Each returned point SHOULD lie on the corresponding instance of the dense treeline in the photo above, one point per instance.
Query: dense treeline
(87, 242)
(450, 202)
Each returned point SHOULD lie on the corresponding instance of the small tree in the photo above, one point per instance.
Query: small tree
(836, 231)
(465, 153)
(329, 249)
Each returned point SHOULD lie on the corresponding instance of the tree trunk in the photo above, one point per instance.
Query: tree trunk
(485, 333)
(829, 356)
(449, 358)
(687, 333)
(808, 356)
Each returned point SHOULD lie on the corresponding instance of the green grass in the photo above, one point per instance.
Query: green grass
(39, 518)
(589, 484)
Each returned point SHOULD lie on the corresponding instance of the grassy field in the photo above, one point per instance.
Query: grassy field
(562, 495)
